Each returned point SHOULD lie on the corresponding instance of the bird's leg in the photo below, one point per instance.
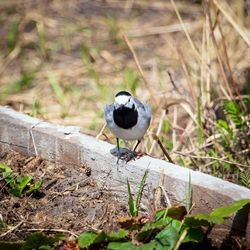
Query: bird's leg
(138, 142)
(118, 150)
(121, 153)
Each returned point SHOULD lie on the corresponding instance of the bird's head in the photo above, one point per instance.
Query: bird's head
(124, 99)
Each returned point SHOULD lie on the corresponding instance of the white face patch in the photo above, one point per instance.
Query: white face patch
(122, 99)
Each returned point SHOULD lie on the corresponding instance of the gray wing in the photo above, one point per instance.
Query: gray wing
(108, 112)
(145, 107)
(147, 112)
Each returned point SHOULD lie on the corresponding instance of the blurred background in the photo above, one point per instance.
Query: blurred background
(63, 61)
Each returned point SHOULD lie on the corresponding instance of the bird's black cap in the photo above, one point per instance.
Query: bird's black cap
(123, 93)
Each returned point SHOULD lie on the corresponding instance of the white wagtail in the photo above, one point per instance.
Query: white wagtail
(128, 119)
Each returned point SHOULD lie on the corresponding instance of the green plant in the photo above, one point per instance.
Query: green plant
(12, 36)
(88, 56)
(91, 237)
(60, 94)
(164, 231)
(245, 178)
(40, 241)
(234, 137)
(35, 241)
(114, 31)
(2, 223)
(199, 121)
(17, 185)
(24, 83)
(42, 40)
(34, 105)
(133, 208)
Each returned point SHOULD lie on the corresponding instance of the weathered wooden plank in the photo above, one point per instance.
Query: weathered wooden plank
(67, 145)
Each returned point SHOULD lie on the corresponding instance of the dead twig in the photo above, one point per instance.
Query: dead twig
(101, 132)
(155, 137)
(12, 229)
(158, 193)
(14, 177)
(141, 73)
(3, 178)
(158, 130)
(227, 59)
(212, 158)
(50, 230)
(180, 240)
(232, 21)
(189, 81)
(217, 50)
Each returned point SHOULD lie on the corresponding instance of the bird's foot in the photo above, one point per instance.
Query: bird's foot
(123, 154)
(130, 155)
(120, 153)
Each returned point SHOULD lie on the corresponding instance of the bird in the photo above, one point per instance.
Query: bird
(128, 119)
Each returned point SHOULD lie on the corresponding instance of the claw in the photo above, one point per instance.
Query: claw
(131, 155)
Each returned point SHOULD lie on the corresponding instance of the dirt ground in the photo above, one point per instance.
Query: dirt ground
(66, 201)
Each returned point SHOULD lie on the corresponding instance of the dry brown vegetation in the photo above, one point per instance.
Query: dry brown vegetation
(73, 56)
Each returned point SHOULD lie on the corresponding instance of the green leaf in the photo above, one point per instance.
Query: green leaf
(101, 237)
(87, 238)
(7, 172)
(193, 235)
(176, 225)
(118, 235)
(216, 217)
(149, 231)
(131, 202)
(233, 110)
(120, 246)
(167, 239)
(177, 212)
(245, 178)
(166, 126)
(198, 220)
(5, 168)
(21, 183)
(35, 186)
(231, 209)
(149, 246)
(223, 124)
(44, 248)
(11, 245)
(37, 240)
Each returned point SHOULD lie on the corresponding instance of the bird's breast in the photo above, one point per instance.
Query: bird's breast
(125, 118)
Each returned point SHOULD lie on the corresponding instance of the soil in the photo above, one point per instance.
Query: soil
(68, 200)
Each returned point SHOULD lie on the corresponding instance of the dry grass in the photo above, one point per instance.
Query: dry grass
(73, 56)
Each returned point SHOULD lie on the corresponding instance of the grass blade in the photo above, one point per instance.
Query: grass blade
(199, 122)
(140, 190)
(34, 106)
(130, 201)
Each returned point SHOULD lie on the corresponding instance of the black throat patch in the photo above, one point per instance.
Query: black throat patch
(125, 117)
